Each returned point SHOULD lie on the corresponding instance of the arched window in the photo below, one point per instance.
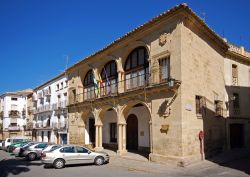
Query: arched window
(136, 68)
(109, 79)
(88, 83)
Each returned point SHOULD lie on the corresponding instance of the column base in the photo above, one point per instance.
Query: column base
(98, 149)
(180, 161)
(121, 152)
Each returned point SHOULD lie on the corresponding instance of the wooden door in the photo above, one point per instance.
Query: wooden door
(92, 130)
(236, 135)
(132, 132)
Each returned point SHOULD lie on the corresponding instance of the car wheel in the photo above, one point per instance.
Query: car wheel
(99, 160)
(59, 163)
(31, 156)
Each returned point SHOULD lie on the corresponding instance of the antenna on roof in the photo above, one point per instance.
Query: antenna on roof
(203, 16)
(240, 39)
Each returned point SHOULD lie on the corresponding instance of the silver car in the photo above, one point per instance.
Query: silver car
(70, 154)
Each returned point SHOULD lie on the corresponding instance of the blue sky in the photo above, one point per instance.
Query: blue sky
(37, 35)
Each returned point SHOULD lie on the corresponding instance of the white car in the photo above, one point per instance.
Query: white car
(50, 148)
(8, 141)
(71, 154)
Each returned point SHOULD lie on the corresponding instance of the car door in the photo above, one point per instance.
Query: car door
(69, 155)
(83, 155)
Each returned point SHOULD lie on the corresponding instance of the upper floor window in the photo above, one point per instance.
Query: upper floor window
(200, 102)
(218, 108)
(137, 59)
(89, 88)
(109, 78)
(57, 87)
(234, 74)
(164, 68)
(136, 68)
(236, 103)
(14, 98)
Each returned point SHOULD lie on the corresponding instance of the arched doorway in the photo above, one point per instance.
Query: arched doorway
(132, 132)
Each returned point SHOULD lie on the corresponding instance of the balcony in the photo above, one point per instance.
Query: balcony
(14, 128)
(133, 82)
(62, 104)
(14, 114)
(47, 92)
(44, 108)
(37, 125)
(54, 125)
(63, 126)
(23, 112)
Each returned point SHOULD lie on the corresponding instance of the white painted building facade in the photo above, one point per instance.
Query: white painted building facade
(14, 112)
(50, 111)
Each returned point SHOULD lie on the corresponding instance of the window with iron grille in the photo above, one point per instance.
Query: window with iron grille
(200, 102)
(234, 74)
(236, 103)
(164, 64)
(218, 108)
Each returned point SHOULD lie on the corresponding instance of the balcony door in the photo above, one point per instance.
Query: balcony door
(109, 79)
(136, 68)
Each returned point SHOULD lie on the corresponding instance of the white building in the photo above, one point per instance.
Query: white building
(50, 110)
(14, 112)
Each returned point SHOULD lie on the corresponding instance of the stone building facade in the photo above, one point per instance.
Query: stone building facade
(161, 89)
(237, 86)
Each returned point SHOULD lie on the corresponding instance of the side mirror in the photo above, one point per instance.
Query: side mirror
(89, 152)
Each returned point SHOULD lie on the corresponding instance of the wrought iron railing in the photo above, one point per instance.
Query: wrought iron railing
(134, 81)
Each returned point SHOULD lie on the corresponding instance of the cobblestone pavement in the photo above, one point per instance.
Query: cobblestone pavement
(126, 166)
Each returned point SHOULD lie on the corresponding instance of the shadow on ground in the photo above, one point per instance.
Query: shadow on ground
(238, 159)
(15, 166)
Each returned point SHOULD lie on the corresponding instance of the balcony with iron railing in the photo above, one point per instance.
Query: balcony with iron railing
(44, 108)
(127, 85)
(14, 128)
(14, 114)
(63, 126)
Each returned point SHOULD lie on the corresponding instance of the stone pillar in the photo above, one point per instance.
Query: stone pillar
(121, 83)
(98, 136)
(150, 136)
(124, 137)
(121, 139)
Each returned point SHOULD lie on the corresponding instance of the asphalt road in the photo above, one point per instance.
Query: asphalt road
(122, 167)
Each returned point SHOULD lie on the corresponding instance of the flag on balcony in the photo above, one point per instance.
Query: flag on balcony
(96, 87)
(108, 89)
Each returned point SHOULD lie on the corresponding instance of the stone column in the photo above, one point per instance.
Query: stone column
(98, 138)
(124, 137)
(150, 136)
(121, 139)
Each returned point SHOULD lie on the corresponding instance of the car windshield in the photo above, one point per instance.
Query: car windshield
(54, 148)
(18, 140)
